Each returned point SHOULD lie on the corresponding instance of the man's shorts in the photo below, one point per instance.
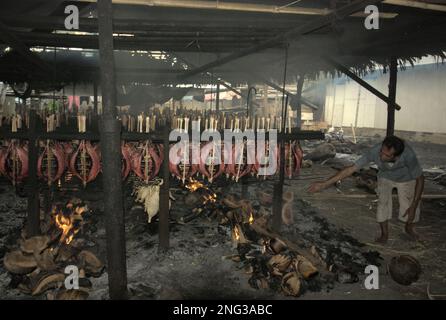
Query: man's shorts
(406, 193)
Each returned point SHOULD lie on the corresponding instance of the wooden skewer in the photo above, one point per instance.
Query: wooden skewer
(240, 161)
(147, 124)
(84, 165)
(146, 162)
(14, 166)
(48, 158)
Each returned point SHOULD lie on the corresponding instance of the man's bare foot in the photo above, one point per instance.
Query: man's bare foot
(382, 239)
(410, 231)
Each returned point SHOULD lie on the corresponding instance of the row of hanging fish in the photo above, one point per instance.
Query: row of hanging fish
(83, 160)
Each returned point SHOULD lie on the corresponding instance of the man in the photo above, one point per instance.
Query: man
(398, 168)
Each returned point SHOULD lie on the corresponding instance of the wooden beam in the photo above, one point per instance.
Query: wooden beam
(33, 220)
(364, 84)
(269, 25)
(294, 98)
(219, 80)
(294, 34)
(209, 44)
(237, 6)
(417, 4)
(392, 96)
(111, 159)
(217, 98)
(164, 208)
(298, 106)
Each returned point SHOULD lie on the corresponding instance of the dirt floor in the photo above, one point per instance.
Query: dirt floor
(196, 268)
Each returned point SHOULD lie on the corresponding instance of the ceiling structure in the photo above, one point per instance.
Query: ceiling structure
(204, 41)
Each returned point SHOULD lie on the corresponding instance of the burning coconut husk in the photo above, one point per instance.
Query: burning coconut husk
(40, 261)
(271, 261)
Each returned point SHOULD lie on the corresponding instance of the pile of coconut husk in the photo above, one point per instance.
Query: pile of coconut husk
(272, 261)
(38, 264)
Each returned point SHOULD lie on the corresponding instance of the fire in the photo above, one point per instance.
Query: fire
(69, 223)
(194, 185)
(210, 198)
(236, 233)
(251, 218)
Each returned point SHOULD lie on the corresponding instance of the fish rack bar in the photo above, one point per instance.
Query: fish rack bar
(135, 136)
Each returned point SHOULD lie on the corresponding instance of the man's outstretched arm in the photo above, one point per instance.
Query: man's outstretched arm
(344, 173)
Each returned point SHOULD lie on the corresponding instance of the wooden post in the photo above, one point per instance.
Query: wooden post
(217, 98)
(278, 187)
(95, 98)
(392, 96)
(163, 227)
(33, 223)
(111, 158)
(298, 106)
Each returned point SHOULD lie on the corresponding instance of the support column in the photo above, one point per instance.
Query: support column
(95, 98)
(163, 227)
(33, 221)
(110, 134)
(278, 187)
(300, 85)
(391, 105)
(217, 98)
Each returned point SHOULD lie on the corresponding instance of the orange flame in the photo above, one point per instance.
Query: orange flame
(194, 185)
(67, 223)
(210, 198)
(251, 218)
(236, 233)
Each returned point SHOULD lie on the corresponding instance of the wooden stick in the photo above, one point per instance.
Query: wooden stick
(368, 196)
(354, 134)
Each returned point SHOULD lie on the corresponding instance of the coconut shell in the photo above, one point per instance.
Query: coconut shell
(287, 214)
(65, 253)
(230, 202)
(404, 269)
(288, 196)
(91, 263)
(304, 267)
(17, 262)
(45, 260)
(280, 262)
(46, 281)
(291, 284)
(37, 243)
(277, 245)
(71, 295)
